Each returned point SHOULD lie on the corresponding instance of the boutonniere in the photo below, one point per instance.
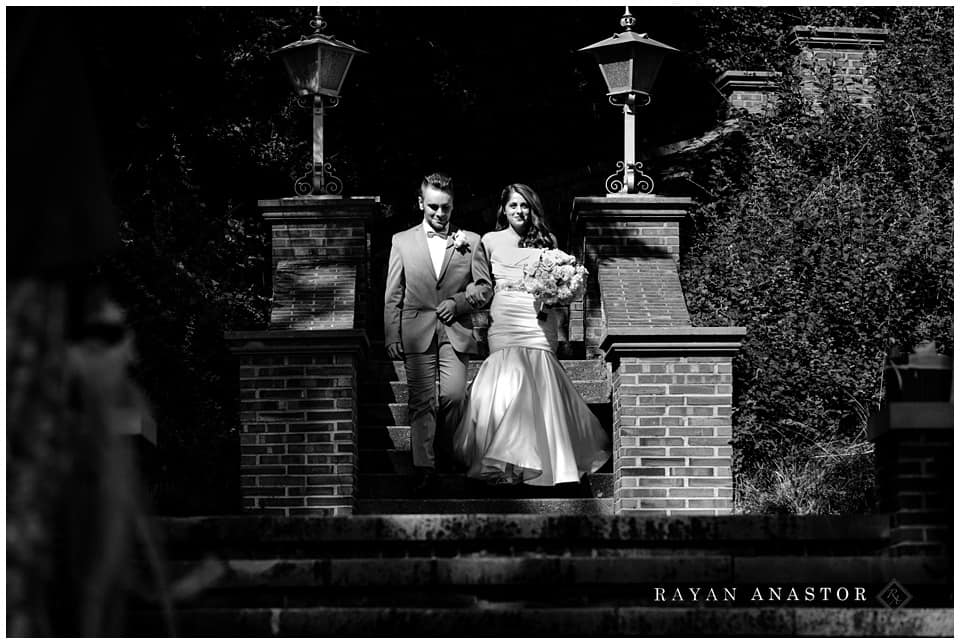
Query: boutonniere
(460, 240)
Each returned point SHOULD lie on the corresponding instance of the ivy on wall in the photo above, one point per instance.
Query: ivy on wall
(829, 236)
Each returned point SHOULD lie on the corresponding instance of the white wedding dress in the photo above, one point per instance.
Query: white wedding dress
(523, 412)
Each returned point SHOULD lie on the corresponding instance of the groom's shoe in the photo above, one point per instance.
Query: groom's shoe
(425, 483)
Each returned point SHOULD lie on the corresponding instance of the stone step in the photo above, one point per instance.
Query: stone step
(392, 485)
(384, 461)
(383, 371)
(379, 394)
(396, 413)
(508, 619)
(485, 506)
(271, 536)
(384, 437)
(389, 437)
(396, 461)
(647, 571)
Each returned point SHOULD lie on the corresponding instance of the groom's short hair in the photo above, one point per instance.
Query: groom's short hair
(438, 181)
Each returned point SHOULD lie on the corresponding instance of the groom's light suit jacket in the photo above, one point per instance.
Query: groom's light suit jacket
(414, 291)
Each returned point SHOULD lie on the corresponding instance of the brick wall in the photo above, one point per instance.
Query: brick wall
(642, 292)
(298, 422)
(842, 53)
(308, 295)
(342, 239)
(320, 252)
(630, 245)
(672, 422)
(914, 455)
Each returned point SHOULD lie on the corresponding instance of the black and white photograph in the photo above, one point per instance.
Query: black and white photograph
(480, 321)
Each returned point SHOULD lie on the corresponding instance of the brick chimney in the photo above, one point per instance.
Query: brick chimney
(753, 91)
(845, 53)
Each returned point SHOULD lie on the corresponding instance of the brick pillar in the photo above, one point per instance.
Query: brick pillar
(914, 456)
(844, 53)
(298, 378)
(631, 246)
(672, 396)
(672, 383)
(754, 92)
(320, 261)
(298, 416)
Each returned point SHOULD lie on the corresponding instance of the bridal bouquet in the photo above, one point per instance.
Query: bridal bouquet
(555, 279)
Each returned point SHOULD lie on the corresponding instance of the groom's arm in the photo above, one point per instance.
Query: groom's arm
(393, 298)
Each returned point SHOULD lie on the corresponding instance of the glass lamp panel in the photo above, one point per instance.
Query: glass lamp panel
(646, 68)
(302, 65)
(617, 72)
(333, 70)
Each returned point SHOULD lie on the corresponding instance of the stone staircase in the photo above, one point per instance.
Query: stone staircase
(536, 575)
(386, 470)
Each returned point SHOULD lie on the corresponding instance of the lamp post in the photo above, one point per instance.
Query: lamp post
(317, 65)
(629, 63)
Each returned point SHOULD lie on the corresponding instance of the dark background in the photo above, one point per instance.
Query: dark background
(490, 95)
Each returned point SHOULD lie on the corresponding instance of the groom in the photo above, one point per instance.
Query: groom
(429, 295)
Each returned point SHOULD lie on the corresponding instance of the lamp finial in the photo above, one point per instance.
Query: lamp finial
(318, 23)
(627, 21)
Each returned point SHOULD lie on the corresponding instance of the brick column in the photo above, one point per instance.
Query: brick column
(298, 378)
(320, 261)
(672, 382)
(844, 53)
(672, 395)
(914, 456)
(753, 91)
(631, 246)
(298, 420)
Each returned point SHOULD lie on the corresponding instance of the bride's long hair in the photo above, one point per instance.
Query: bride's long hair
(538, 235)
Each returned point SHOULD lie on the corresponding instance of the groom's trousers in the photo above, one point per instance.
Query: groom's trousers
(431, 430)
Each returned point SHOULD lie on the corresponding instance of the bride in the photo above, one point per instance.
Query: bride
(524, 420)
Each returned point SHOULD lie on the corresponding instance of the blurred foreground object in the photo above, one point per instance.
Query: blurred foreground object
(74, 503)
(913, 433)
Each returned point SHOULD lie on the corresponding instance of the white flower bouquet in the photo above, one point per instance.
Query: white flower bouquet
(555, 279)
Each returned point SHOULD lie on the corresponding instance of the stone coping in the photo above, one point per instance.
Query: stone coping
(619, 207)
(904, 416)
(290, 341)
(316, 200)
(838, 37)
(318, 208)
(671, 341)
(736, 79)
(457, 527)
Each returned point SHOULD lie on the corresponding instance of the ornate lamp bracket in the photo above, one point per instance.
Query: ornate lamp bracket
(629, 177)
(319, 177)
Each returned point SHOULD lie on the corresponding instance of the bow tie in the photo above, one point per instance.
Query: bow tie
(431, 233)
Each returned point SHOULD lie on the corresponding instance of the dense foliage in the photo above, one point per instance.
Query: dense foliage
(829, 236)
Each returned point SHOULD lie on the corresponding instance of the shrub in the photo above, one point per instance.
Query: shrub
(829, 237)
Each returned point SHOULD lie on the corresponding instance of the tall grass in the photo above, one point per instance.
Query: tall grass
(827, 478)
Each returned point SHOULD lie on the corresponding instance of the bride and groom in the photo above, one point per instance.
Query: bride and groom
(523, 420)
